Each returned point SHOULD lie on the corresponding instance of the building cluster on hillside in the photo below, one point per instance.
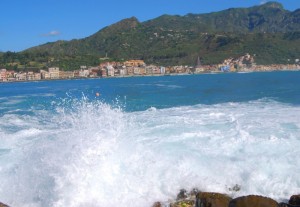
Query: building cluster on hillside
(235, 64)
(139, 68)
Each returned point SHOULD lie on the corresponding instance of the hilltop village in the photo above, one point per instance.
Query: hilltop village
(129, 68)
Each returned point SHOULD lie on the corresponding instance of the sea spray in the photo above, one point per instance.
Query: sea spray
(84, 152)
(70, 139)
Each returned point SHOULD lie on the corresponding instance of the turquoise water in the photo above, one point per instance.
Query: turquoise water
(144, 138)
(141, 93)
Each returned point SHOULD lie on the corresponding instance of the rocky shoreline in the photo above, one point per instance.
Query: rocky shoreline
(196, 198)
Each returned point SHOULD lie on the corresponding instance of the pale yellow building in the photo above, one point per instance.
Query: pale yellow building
(54, 73)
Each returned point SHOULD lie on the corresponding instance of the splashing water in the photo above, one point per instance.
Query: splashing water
(88, 153)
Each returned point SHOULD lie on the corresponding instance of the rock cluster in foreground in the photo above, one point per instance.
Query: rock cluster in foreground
(3, 205)
(211, 199)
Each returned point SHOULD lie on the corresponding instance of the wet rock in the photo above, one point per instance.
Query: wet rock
(185, 203)
(3, 205)
(205, 199)
(182, 194)
(295, 200)
(156, 204)
(253, 201)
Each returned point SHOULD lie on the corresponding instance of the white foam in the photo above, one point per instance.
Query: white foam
(168, 86)
(90, 154)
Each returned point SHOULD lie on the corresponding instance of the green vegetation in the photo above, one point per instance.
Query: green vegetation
(268, 31)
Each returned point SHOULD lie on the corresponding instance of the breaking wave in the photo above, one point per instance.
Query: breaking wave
(89, 153)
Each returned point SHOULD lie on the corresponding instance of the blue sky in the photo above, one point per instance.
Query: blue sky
(28, 23)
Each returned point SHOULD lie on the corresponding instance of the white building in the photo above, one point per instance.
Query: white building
(110, 70)
(162, 70)
(84, 73)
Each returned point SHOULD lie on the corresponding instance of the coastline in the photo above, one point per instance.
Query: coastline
(244, 71)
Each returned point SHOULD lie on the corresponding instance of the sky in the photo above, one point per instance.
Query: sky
(28, 23)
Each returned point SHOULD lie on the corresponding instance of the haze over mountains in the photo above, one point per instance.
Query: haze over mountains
(268, 31)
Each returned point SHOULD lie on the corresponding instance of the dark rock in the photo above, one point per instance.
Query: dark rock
(295, 200)
(253, 201)
(3, 205)
(205, 199)
(157, 204)
(182, 194)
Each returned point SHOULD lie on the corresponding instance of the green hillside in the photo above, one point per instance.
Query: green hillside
(268, 31)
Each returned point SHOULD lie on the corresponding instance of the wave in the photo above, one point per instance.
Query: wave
(89, 153)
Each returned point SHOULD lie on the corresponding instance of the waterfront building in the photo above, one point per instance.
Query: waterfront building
(149, 70)
(130, 71)
(152, 69)
(11, 75)
(103, 72)
(29, 76)
(45, 74)
(168, 69)
(21, 76)
(94, 72)
(54, 73)
(136, 71)
(199, 70)
(162, 70)
(84, 73)
(66, 74)
(3, 75)
(116, 71)
(76, 73)
(179, 69)
(156, 70)
(143, 71)
(110, 70)
(37, 76)
(123, 71)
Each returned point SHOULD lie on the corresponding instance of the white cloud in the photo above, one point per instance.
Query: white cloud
(52, 33)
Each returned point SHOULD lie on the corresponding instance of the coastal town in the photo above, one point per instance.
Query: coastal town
(130, 68)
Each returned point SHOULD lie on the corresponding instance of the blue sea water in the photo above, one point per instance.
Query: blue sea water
(144, 138)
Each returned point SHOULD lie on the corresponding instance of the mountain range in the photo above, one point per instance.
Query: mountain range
(268, 31)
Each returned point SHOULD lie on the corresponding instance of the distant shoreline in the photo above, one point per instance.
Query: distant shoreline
(157, 75)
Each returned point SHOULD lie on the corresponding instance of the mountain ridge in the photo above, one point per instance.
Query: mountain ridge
(268, 30)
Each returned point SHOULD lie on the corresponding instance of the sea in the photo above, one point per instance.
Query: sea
(145, 138)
